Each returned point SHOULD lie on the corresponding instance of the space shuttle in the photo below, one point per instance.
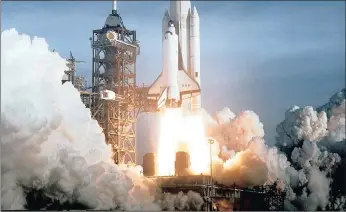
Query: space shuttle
(178, 85)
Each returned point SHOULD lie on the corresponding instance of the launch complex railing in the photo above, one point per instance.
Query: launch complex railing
(201, 184)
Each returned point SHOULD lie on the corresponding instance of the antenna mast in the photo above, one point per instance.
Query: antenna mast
(114, 10)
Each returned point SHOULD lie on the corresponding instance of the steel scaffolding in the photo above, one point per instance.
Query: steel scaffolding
(114, 69)
(258, 198)
(77, 81)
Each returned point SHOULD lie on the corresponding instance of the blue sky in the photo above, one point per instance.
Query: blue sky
(261, 56)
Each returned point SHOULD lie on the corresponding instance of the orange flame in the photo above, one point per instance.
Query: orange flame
(182, 133)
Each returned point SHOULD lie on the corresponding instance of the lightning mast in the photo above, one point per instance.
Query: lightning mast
(71, 65)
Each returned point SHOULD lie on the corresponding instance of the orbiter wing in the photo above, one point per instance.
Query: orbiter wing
(187, 86)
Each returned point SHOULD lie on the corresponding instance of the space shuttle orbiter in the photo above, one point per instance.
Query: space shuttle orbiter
(178, 85)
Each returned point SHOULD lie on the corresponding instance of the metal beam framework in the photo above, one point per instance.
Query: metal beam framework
(77, 81)
(114, 68)
(243, 199)
(143, 104)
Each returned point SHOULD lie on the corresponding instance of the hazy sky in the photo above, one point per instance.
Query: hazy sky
(261, 56)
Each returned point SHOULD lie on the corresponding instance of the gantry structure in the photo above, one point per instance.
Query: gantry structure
(114, 54)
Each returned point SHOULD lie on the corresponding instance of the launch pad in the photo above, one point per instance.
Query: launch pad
(217, 196)
(213, 193)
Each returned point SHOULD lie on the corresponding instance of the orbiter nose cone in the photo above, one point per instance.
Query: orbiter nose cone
(170, 23)
(171, 27)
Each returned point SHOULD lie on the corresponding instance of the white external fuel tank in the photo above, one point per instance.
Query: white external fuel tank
(179, 12)
(170, 63)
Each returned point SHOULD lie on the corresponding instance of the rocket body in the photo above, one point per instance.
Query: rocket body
(195, 60)
(179, 82)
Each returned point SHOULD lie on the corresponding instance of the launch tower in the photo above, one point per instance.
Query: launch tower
(115, 49)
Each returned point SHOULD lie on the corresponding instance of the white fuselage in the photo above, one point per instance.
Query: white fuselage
(186, 63)
(170, 63)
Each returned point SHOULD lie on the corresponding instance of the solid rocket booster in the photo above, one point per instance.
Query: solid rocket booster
(195, 56)
(165, 21)
(180, 27)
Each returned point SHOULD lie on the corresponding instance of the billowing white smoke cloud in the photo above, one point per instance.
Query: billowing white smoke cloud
(302, 124)
(336, 124)
(181, 201)
(49, 139)
(244, 169)
(334, 102)
(303, 135)
(244, 158)
(336, 139)
(224, 116)
(235, 132)
(311, 140)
